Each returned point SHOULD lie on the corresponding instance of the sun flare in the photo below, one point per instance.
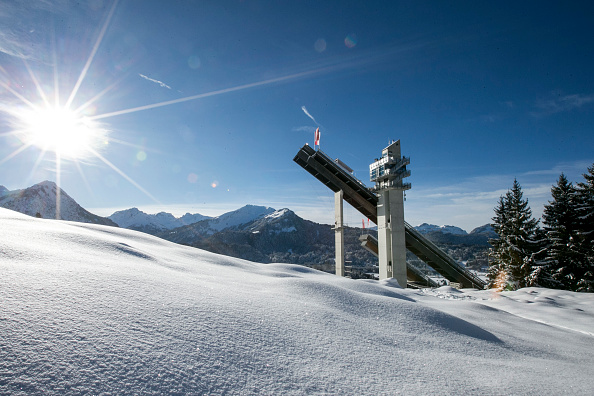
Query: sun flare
(60, 130)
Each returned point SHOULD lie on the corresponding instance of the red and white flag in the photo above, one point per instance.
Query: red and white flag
(317, 137)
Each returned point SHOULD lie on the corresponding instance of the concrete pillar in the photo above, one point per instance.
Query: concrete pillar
(398, 237)
(338, 233)
(384, 235)
(391, 236)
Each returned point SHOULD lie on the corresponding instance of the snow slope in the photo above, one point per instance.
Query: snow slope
(102, 310)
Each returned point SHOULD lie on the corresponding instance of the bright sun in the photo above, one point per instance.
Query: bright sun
(60, 130)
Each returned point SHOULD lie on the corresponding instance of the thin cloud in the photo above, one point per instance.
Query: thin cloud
(21, 40)
(561, 104)
(309, 115)
(470, 202)
(307, 129)
(11, 47)
(162, 84)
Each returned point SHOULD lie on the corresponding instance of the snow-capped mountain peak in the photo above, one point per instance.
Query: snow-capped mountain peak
(41, 200)
(240, 216)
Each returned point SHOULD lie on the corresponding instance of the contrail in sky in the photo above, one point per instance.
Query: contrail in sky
(161, 83)
(309, 115)
(215, 93)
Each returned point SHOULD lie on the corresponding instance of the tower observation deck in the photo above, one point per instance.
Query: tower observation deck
(366, 200)
(390, 170)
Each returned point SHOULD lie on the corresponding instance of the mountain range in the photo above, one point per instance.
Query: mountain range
(455, 235)
(135, 219)
(155, 223)
(256, 233)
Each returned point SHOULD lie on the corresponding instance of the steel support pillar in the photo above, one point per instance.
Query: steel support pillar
(339, 233)
(391, 235)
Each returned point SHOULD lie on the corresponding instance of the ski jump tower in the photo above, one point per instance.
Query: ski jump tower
(388, 173)
(384, 205)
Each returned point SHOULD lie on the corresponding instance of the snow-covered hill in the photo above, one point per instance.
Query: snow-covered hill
(446, 229)
(486, 229)
(89, 309)
(135, 219)
(41, 200)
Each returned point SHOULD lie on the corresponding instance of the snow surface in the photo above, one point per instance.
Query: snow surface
(103, 310)
(277, 214)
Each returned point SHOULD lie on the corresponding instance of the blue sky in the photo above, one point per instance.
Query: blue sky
(202, 101)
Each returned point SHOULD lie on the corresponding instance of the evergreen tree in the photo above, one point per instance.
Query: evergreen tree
(561, 223)
(497, 275)
(513, 256)
(585, 198)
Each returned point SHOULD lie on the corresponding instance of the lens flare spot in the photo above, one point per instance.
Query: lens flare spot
(186, 134)
(194, 62)
(214, 184)
(350, 40)
(320, 45)
(90, 110)
(192, 178)
(141, 156)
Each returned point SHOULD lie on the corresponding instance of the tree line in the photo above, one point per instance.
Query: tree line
(560, 254)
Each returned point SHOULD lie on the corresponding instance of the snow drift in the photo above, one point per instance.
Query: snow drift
(95, 309)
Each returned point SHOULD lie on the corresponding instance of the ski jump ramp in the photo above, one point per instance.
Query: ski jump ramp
(337, 178)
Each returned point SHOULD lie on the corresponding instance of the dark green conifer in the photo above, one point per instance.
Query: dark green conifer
(585, 198)
(513, 256)
(561, 223)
